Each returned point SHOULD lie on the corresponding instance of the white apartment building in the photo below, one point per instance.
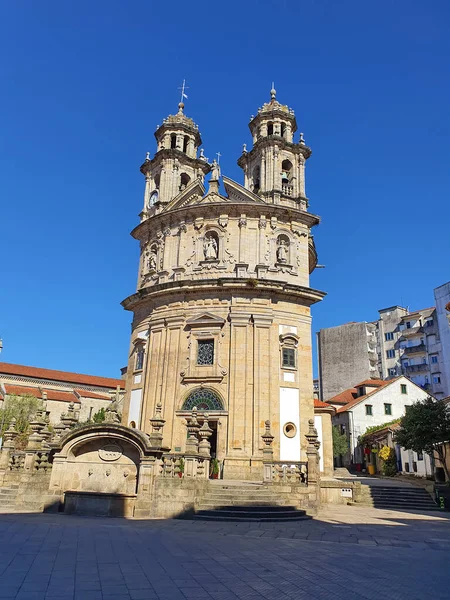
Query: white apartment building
(372, 403)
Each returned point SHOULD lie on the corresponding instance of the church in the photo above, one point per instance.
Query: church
(222, 310)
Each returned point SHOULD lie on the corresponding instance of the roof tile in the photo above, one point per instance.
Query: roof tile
(11, 369)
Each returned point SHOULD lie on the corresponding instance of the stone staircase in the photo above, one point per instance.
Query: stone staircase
(245, 501)
(8, 498)
(397, 498)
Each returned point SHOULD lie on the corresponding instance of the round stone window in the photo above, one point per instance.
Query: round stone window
(290, 430)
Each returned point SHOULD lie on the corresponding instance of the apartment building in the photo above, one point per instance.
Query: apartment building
(400, 342)
(346, 354)
(442, 300)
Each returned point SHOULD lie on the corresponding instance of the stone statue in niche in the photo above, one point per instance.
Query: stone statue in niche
(210, 248)
(282, 251)
(151, 261)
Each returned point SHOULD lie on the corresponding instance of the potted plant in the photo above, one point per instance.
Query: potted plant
(215, 468)
(181, 467)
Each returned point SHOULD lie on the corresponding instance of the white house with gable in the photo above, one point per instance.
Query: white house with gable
(372, 403)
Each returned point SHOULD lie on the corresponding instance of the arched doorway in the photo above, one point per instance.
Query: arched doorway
(206, 400)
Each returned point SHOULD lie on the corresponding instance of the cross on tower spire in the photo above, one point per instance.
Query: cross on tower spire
(183, 88)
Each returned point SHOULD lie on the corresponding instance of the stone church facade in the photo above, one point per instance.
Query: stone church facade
(221, 313)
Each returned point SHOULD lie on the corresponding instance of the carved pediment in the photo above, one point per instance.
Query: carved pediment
(205, 319)
(213, 198)
(192, 194)
(238, 193)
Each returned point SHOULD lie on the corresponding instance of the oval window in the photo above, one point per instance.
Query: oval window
(290, 430)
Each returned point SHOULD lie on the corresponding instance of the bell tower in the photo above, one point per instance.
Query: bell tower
(175, 165)
(275, 166)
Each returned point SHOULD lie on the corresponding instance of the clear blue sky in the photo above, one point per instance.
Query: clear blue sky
(84, 85)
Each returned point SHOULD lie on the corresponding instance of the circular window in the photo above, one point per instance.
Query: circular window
(290, 430)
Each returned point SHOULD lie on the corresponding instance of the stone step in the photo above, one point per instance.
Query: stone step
(400, 507)
(216, 515)
(7, 492)
(244, 497)
(237, 505)
(238, 490)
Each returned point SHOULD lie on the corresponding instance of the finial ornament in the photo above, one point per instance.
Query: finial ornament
(244, 147)
(147, 156)
(273, 92)
(302, 139)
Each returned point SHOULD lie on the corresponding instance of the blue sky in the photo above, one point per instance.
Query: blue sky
(84, 85)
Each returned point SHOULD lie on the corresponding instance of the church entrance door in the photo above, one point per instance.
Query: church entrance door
(213, 439)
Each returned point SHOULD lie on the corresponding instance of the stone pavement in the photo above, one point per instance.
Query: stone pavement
(345, 553)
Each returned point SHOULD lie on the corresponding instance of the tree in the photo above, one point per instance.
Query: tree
(99, 416)
(426, 428)
(21, 408)
(340, 443)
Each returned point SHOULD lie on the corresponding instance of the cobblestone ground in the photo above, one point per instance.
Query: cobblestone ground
(346, 552)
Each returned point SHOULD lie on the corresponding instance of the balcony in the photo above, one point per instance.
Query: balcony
(419, 348)
(423, 368)
(412, 331)
(287, 190)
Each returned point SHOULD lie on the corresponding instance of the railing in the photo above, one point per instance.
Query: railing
(41, 462)
(416, 368)
(178, 465)
(415, 349)
(16, 461)
(287, 190)
(171, 465)
(290, 472)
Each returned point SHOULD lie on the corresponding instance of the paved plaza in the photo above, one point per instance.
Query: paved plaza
(346, 552)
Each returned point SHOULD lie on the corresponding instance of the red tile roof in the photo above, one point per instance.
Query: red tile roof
(349, 395)
(320, 404)
(21, 390)
(95, 395)
(372, 382)
(358, 399)
(61, 396)
(344, 397)
(10, 369)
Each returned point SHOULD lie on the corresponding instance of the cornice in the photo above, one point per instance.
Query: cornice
(174, 153)
(189, 212)
(223, 286)
(271, 140)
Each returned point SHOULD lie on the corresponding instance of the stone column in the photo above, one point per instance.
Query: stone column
(170, 385)
(240, 396)
(147, 191)
(192, 426)
(157, 423)
(312, 453)
(204, 433)
(262, 324)
(9, 438)
(152, 386)
(301, 169)
(263, 175)
(267, 438)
